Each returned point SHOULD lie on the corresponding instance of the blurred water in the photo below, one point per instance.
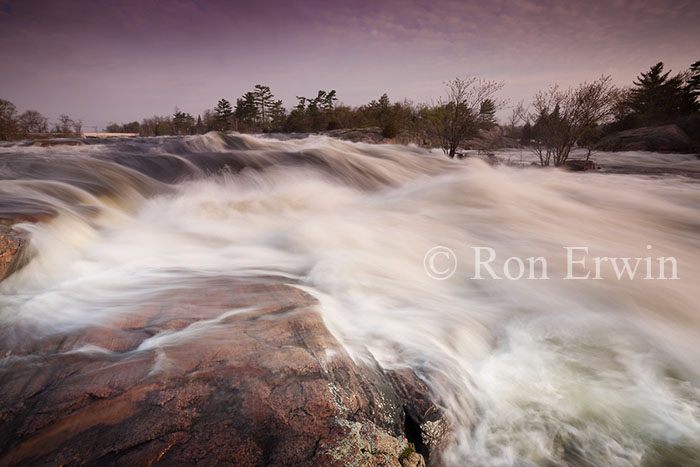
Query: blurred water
(531, 372)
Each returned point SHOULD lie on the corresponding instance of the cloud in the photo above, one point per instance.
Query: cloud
(192, 52)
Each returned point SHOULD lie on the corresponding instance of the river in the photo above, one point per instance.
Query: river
(530, 371)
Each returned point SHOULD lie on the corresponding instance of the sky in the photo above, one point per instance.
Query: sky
(111, 61)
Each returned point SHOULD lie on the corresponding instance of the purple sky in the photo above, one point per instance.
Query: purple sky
(104, 61)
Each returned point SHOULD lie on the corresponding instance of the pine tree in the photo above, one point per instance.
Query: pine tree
(648, 93)
(657, 97)
(183, 123)
(694, 82)
(526, 134)
(277, 114)
(224, 112)
(329, 99)
(247, 112)
(487, 113)
(263, 100)
(384, 102)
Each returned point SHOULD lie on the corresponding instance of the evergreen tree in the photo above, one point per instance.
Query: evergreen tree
(297, 121)
(694, 82)
(312, 113)
(329, 99)
(487, 113)
(383, 103)
(183, 123)
(658, 97)
(247, 112)
(277, 115)
(263, 100)
(648, 94)
(526, 134)
(210, 120)
(224, 112)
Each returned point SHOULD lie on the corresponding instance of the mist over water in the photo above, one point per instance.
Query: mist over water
(530, 372)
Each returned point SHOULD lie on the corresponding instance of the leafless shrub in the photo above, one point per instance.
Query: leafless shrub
(562, 116)
(460, 114)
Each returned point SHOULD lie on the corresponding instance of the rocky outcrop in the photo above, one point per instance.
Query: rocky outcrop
(580, 165)
(363, 135)
(491, 140)
(412, 459)
(18, 210)
(667, 138)
(57, 142)
(216, 371)
(11, 244)
(425, 422)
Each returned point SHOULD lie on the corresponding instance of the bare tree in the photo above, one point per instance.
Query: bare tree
(563, 116)
(517, 117)
(64, 125)
(8, 123)
(31, 121)
(458, 115)
(78, 127)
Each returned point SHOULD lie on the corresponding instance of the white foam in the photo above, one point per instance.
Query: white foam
(606, 369)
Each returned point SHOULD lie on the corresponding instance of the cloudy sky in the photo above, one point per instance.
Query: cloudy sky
(104, 61)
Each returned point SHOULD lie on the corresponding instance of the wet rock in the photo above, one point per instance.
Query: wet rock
(426, 425)
(667, 138)
(215, 371)
(580, 165)
(361, 444)
(11, 244)
(413, 460)
(15, 210)
(364, 135)
(58, 142)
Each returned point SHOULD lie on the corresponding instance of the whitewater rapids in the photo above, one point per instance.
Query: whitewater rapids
(530, 372)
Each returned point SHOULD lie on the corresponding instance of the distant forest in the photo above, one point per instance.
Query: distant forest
(554, 122)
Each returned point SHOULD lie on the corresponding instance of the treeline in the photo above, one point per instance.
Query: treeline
(258, 111)
(556, 121)
(32, 124)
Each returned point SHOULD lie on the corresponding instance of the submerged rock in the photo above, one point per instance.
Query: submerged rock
(214, 371)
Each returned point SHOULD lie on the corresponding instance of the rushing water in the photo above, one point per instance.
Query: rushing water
(531, 372)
